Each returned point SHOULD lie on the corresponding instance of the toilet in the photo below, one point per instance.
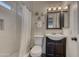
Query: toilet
(36, 50)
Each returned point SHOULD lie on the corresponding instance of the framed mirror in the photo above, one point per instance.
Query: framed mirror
(53, 20)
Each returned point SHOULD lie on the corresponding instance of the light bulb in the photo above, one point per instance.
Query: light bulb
(49, 9)
(66, 7)
(59, 8)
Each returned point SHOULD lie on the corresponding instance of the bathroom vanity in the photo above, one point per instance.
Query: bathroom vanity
(55, 46)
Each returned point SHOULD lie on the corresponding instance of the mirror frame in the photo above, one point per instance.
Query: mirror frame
(59, 20)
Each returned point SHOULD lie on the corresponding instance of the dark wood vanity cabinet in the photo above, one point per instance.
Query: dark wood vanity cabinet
(55, 48)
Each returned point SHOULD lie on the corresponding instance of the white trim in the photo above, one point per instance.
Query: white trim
(5, 54)
(27, 55)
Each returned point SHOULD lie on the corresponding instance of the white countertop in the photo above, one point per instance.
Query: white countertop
(56, 36)
(38, 35)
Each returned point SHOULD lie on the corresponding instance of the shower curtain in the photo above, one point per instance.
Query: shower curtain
(25, 32)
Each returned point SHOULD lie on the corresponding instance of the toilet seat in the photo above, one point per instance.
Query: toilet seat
(36, 51)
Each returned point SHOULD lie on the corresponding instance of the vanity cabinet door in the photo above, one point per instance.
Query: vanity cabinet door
(52, 51)
(55, 48)
(61, 48)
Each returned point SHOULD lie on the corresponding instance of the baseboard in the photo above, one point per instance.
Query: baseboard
(15, 54)
(5, 54)
(27, 55)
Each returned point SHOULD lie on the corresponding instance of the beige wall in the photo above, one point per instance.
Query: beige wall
(10, 36)
(8, 42)
(41, 7)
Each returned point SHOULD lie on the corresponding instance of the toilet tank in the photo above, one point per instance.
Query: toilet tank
(38, 41)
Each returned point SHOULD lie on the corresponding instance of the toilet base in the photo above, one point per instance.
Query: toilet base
(35, 55)
(42, 55)
(36, 51)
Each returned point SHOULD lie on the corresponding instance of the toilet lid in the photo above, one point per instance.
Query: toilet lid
(36, 49)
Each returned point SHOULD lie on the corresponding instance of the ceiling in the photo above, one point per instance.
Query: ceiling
(38, 5)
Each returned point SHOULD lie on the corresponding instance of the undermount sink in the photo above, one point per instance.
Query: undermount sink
(55, 37)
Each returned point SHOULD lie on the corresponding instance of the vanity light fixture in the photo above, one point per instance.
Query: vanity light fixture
(60, 8)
